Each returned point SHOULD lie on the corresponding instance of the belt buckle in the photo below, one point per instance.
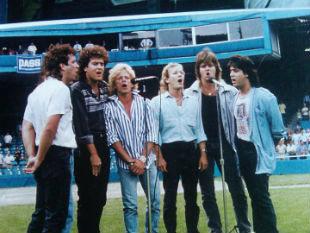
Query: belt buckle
(101, 135)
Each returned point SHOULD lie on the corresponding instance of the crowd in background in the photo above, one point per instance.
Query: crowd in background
(297, 144)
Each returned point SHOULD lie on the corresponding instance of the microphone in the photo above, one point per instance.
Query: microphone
(137, 80)
(215, 82)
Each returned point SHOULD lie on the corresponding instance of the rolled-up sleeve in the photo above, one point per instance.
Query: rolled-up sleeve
(155, 112)
(110, 125)
(151, 135)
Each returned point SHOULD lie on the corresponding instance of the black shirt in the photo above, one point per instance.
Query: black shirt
(88, 110)
(209, 117)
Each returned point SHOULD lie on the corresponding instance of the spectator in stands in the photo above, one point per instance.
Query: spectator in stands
(12, 51)
(8, 140)
(8, 160)
(303, 136)
(308, 134)
(305, 112)
(20, 49)
(1, 162)
(32, 49)
(281, 149)
(77, 46)
(89, 45)
(291, 150)
(296, 137)
(17, 155)
(307, 100)
(4, 51)
(282, 108)
(301, 150)
(298, 115)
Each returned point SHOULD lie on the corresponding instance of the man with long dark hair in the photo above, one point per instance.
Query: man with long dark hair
(259, 124)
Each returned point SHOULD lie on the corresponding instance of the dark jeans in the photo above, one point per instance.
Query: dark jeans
(264, 217)
(235, 186)
(182, 160)
(92, 190)
(53, 190)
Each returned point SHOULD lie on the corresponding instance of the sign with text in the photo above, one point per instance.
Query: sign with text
(29, 64)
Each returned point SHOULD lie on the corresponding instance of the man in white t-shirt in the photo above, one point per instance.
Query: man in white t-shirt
(7, 140)
(291, 150)
(89, 45)
(305, 112)
(32, 49)
(8, 159)
(77, 46)
(259, 124)
(296, 137)
(49, 139)
(281, 149)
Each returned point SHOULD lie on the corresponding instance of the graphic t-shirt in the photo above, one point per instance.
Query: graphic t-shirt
(241, 112)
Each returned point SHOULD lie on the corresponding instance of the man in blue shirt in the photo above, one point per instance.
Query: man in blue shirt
(180, 130)
(258, 123)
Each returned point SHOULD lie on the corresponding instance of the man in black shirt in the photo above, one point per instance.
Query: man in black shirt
(92, 158)
(211, 97)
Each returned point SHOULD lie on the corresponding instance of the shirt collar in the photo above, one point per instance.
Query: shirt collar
(134, 92)
(166, 94)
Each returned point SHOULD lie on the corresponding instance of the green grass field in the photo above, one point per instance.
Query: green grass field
(292, 207)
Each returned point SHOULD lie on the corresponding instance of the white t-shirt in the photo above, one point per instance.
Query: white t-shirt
(281, 149)
(304, 111)
(32, 49)
(51, 97)
(242, 115)
(296, 138)
(89, 45)
(291, 148)
(282, 108)
(8, 159)
(77, 47)
(7, 138)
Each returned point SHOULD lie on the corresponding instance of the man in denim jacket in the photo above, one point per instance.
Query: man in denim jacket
(259, 123)
(210, 97)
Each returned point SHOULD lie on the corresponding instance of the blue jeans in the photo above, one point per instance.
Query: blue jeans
(130, 198)
(69, 220)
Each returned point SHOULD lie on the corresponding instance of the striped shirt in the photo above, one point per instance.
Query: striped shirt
(130, 132)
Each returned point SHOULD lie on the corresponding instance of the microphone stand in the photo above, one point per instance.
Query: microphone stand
(149, 206)
(217, 85)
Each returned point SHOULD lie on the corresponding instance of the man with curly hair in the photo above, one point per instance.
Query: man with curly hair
(92, 159)
(48, 138)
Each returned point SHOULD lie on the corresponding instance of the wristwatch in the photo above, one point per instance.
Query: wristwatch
(203, 150)
(142, 158)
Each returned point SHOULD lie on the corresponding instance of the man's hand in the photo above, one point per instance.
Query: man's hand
(95, 163)
(203, 162)
(137, 167)
(32, 165)
(161, 164)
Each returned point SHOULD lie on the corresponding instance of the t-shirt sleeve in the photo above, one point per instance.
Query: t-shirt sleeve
(28, 115)
(58, 101)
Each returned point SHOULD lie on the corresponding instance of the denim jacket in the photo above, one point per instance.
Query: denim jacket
(226, 95)
(265, 124)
